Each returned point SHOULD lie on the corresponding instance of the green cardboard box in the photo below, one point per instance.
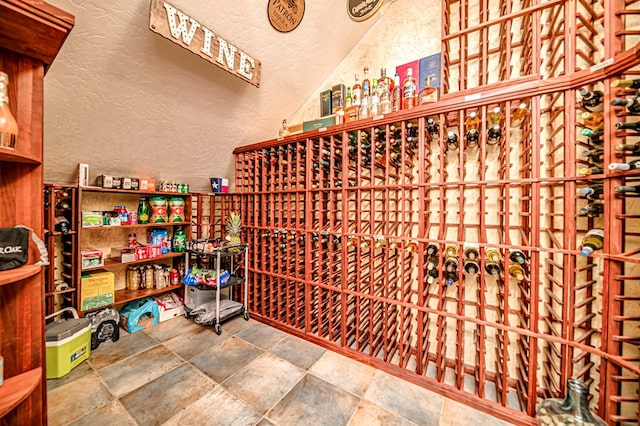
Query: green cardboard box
(319, 123)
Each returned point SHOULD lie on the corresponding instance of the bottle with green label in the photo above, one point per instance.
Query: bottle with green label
(143, 211)
(179, 240)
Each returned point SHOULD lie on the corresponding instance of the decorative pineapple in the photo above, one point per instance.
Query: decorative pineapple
(234, 228)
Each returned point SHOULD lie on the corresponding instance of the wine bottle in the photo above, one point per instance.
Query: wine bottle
(592, 209)
(595, 137)
(492, 264)
(432, 274)
(632, 104)
(594, 156)
(471, 253)
(593, 120)
(432, 128)
(517, 256)
(451, 251)
(629, 126)
(591, 192)
(633, 148)
(592, 241)
(516, 271)
(472, 124)
(591, 100)
(518, 115)
(451, 270)
(495, 117)
(633, 84)
(586, 171)
(471, 267)
(632, 165)
(411, 247)
(627, 188)
(432, 257)
(452, 141)
(494, 134)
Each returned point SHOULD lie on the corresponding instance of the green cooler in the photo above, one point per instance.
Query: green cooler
(68, 343)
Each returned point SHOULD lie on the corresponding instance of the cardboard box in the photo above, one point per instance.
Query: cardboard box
(294, 129)
(91, 258)
(83, 175)
(430, 70)
(169, 306)
(338, 95)
(126, 183)
(123, 254)
(402, 72)
(96, 290)
(325, 103)
(91, 219)
(219, 185)
(319, 123)
(105, 181)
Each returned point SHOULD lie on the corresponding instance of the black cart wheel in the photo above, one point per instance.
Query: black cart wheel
(186, 315)
(246, 315)
(218, 329)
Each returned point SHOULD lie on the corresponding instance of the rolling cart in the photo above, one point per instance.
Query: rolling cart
(205, 302)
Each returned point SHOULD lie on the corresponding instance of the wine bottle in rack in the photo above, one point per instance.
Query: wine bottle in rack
(629, 126)
(451, 270)
(593, 120)
(593, 170)
(432, 275)
(495, 117)
(594, 156)
(411, 247)
(493, 260)
(452, 141)
(631, 104)
(632, 165)
(594, 137)
(494, 134)
(593, 209)
(433, 128)
(472, 123)
(633, 84)
(592, 192)
(516, 271)
(518, 115)
(592, 241)
(517, 256)
(627, 189)
(432, 257)
(591, 100)
(470, 263)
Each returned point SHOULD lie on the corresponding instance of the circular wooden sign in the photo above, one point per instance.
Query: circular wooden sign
(359, 10)
(285, 15)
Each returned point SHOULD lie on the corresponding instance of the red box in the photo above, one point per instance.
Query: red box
(415, 68)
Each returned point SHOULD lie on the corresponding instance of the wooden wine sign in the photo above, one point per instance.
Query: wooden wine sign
(190, 34)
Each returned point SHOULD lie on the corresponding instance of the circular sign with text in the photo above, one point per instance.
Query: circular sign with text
(285, 15)
(359, 10)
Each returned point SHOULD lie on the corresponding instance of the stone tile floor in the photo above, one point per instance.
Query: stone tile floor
(180, 373)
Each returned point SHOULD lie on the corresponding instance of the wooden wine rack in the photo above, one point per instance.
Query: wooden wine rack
(339, 221)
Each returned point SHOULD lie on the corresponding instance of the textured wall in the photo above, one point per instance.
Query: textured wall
(129, 102)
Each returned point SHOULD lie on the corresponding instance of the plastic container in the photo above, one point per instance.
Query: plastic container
(68, 343)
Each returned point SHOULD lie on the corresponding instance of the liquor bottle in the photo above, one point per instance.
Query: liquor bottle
(409, 92)
(366, 95)
(632, 104)
(493, 259)
(432, 128)
(517, 256)
(387, 80)
(339, 112)
(591, 100)
(284, 130)
(586, 171)
(396, 94)
(632, 165)
(375, 99)
(429, 94)
(592, 209)
(518, 115)
(629, 126)
(593, 120)
(8, 123)
(452, 141)
(516, 271)
(592, 241)
(451, 270)
(356, 92)
(633, 84)
(350, 111)
(627, 189)
(385, 97)
(494, 134)
(472, 123)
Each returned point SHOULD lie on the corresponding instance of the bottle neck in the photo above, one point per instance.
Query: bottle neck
(576, 400)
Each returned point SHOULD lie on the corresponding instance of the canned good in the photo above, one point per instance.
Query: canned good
(133, 218)
(175, 277)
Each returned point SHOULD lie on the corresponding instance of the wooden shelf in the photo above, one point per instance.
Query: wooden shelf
(18, 157)
(19, 274)
(110, 263)
(139, 225)
(17, 389)
(133, 192)
(124, 296)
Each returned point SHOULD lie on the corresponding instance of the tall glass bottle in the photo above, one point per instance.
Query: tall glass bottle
(429, 94)
(472, 123)
(375, 99)
(385, 97)
(409, 91)
(284, 130)
(366, 95)
(8, 123)
(518, 115)
(143, 211)
(356, 92)
(593, 240)
(396, 94)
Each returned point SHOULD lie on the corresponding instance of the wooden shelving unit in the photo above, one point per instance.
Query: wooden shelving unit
(31, 34)
(339, 221)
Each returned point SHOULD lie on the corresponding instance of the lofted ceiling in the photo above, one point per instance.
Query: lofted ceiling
(130, 102)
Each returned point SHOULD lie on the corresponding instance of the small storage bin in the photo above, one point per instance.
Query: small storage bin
(68, 343)
(196, 295)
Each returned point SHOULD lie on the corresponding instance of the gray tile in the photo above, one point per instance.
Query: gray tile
(410, 401)
(113, 413)
(298, 351)
(226, 358)
(237, 324)
(369, 414)
(161, 399)
(314, 402)
(195, 341)
(171, 328)
(262, 335)
(218, 407)
(264, 381)
(76, 399)
(81, 370)
(129, 344)
(344, 372)
(135, 371)
(457, 414)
